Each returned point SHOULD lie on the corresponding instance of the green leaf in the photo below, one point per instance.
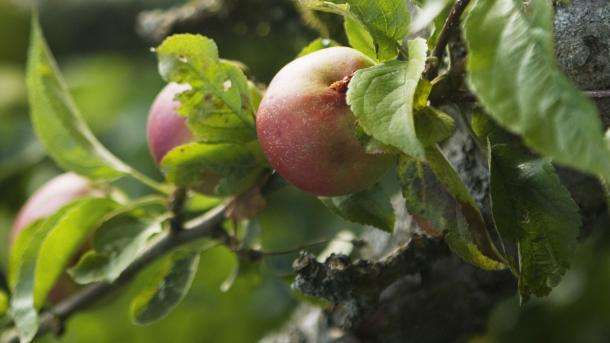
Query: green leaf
(368, 207)
(359, 38)
(381, 97)
(22, 271)
(199, 203)
(533, 209)
(428, 13)
(172, 282)
(435, 192)
(244, 268)
(386, 20)
(256, 96)
(57, 122)
(448, 177)
(422, 93)
(220, 127)
(433, 126)
(470, 252)
(318, 44)
(3, 303)
(218, 105)
(326, 6)
(65, 239)
(18, 249)
(371, 145)
(116, 245)
(183, 57)
(19, 149)
(514, 72)
(482, 126)
(375, 26)
(40, 253)
(219, 169)
(387, 17)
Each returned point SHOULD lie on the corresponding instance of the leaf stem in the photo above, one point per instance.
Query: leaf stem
(159, 187)
(404, 52)
(452, 21)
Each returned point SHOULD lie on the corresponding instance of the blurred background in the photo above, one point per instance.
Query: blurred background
(103, 49)
(105, 57)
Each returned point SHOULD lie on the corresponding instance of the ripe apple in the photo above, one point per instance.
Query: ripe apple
(307, 131)
(166, 128)
(47, 200)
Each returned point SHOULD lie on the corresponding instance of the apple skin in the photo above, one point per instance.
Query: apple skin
(166, 128)
(307, 131)
(48, 199)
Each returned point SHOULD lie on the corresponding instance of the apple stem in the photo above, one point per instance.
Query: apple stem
(341, 85)
(157, 186)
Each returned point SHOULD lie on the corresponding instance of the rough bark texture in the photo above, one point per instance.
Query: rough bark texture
(582, 35)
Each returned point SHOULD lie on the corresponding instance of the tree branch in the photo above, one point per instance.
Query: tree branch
(402, 297)
(177, 208)
(598, 94)
(339, 279)
(452, 21)
(207, 225)
(155, 25)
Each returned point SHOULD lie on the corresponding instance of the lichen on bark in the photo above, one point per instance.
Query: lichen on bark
(582, 39)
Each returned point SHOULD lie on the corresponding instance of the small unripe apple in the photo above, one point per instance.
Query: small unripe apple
(307, 130)
(166, 128)
(48, 199)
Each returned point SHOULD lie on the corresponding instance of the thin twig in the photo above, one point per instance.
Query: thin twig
(294, 250)
(452, 21)
(598, 93)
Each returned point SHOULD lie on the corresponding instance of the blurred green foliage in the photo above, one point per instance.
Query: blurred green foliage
(578, 310)
(113, 78)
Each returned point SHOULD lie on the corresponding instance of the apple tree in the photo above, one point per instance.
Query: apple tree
(452, 118)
